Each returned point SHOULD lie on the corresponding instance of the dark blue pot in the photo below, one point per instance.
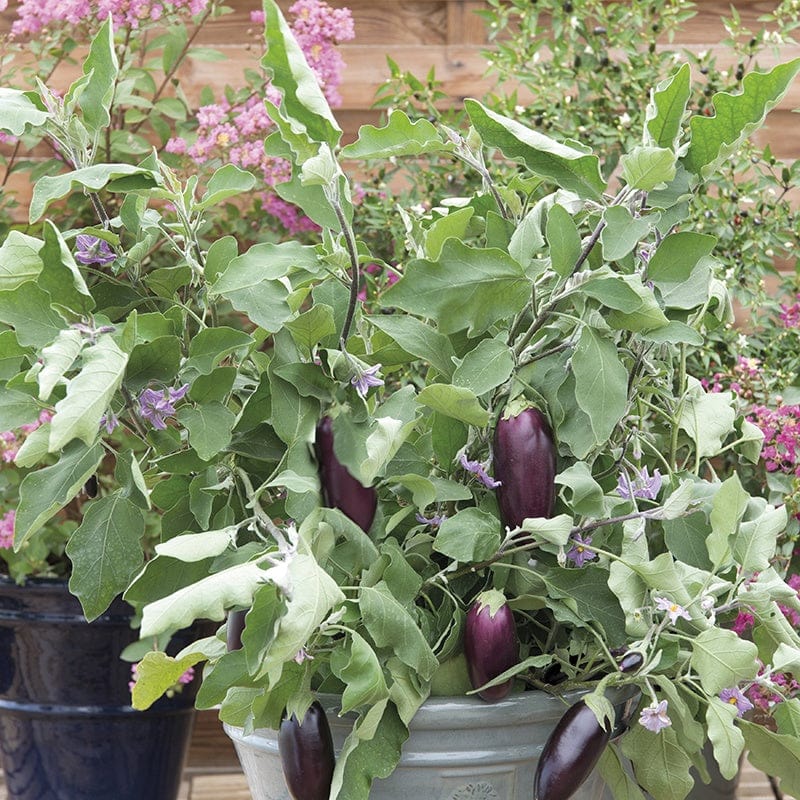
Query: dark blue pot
(67, 730)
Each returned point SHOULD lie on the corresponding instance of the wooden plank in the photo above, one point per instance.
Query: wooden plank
(214, 787)
(464, 26)
(210, 748)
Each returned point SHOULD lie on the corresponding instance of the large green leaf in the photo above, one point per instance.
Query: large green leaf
(47, 490)
(89, 394)
(210, 426)
(564, 239)
(105, 552)
(391, 626)
(727, 739)
(454, 401)
(399, 137)
(16, 409)
(661, 764)
(303, 101)
(60, 275)
(470, 535)
(572, 169)
(58, 358)
(648, 168)
(708, 417)
(600, 382)
(101, 69)
(776, 754)
(715, 139)
(362, 675)
(622, 232)
(53, 187)
(28, 310)
(723, 660)
(18, 112)
(228, 181)
(666, 109)
(418, 339)
(486, 367)
(19, 260)
(467, 287)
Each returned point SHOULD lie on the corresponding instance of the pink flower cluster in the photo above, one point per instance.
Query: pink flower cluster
(235, 133)
(764, 697)
(781, 429)
(34, 15)
(7, 525)
(790, 314)
(11, 441)
(742, 379)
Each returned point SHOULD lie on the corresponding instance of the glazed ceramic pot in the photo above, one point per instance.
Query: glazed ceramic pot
(67, 729)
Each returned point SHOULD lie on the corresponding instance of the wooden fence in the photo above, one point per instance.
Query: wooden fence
(447, 35)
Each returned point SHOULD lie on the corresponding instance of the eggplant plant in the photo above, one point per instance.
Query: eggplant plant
(512, 413)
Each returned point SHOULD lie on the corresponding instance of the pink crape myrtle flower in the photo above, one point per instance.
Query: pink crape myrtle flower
(7, 525)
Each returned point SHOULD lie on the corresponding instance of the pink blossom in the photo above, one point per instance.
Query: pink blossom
(655, 717)
(743, 623)
(781, 428)
(790, 314)
(7, 525)
(674, 611)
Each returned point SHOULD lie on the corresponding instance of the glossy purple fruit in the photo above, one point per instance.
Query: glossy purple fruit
(234, 628)
(524, 456)
(630, 661)
(339, 488)
(490, 643)
(570, 754)
(307, 757)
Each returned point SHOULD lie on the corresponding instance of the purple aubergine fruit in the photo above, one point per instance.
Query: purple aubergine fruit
(524, 456)
(339, 488)
(570, 754)
(490, 643)
(234, 628)
(306, 752)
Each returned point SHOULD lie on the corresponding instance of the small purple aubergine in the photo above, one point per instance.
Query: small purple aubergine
(307, 755)
(570, 754)
(524, 457)
(339, 488)
(234, 628)
(490, 644)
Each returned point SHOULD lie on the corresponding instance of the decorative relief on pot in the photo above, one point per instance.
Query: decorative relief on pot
(476, 791)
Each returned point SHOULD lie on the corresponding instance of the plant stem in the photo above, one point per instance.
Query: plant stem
(355, 276)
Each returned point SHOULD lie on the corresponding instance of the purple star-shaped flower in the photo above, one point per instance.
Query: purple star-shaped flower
(642, 485)
(435, 521)
(655, 717)
(736, 697)
(91, 250)
(156, 406)
(477, 469)
(580, 553)
(364, 378)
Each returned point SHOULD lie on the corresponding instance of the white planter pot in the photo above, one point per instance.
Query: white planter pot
(459, 748)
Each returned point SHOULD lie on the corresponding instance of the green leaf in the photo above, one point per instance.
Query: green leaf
(16, 409)
(28, 311)
(486, 367)
(105, 552)
(571, 169)
(60, 275)
(303, 103)
(47, 490)
(372, 750)
(418, 339)
(727, 739)
(666, 109)
(158, 360)
(210, 426)
(454, 401)
(19, 260)
(101, 69)
(89, 394)
(226, 182)
(212, 345)
(722, 659)
(391, 625)
(634, 306)
(582, 493)
(755, 543)
(18, 112)
(622, 232)
(399, 137)
(616, 777)
(58, 358)
(468, 287)
(675, 332)
(315, 595)
(156, 673)
(454, 224)
(661, 764)
(53, 187)
(775, 754)
(600, 383)
(192, 547)
(312, 326)
(564, 240)
(715, 139)
(205, 598)
(362, 675)
(708, 418)
(648, 168)
(555, 530)
(470, 535)
(291, 480)
(727, 510)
